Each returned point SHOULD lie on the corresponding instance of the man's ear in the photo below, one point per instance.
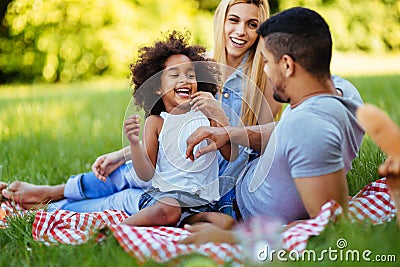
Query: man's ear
(288, 65)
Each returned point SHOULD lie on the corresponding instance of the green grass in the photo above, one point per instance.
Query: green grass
(48, 132)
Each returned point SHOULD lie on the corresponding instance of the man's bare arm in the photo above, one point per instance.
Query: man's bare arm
(316, 191)
(255, 137)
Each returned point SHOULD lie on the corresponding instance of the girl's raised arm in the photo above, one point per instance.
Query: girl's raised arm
(144, 157)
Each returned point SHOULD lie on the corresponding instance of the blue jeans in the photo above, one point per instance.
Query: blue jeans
(229, 173)
(126, 200)
(86, 193)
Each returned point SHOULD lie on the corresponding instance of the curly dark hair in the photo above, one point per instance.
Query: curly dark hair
(146, 71)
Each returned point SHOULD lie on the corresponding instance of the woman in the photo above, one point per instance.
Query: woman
(235, 22)
(245, 97)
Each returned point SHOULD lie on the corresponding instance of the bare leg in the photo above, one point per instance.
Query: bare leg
(30, 195)
(166, 212)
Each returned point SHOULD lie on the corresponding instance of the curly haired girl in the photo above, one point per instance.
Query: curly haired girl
(165, 77)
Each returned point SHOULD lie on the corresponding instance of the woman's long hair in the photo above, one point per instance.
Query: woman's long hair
(256, 80)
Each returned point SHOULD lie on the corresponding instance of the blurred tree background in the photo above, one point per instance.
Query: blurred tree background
(69, 40)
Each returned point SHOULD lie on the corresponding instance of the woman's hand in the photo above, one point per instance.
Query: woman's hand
(211, 108)
(106, 164)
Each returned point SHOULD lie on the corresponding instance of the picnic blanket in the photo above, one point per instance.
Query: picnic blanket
(160, 243)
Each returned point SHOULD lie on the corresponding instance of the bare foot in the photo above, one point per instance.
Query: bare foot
(30, 195)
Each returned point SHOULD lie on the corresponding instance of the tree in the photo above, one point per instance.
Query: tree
(67, 40)
(358, 25)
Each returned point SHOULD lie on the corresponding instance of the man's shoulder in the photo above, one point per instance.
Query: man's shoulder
(316, 106)
(331, 106)
(349, 91)
(322, 116)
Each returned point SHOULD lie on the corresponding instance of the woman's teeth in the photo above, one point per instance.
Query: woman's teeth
(238, 41)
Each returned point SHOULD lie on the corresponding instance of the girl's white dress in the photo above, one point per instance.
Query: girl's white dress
(173, 170)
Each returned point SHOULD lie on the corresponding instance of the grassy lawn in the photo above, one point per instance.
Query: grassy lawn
(48, 132)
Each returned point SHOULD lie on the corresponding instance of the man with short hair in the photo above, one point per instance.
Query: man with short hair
(309, 152)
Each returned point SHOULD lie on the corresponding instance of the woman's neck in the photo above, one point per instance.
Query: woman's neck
(234, 62)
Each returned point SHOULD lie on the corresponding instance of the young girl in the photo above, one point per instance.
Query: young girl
(165, 78)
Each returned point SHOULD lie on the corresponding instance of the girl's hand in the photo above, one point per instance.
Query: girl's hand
(211, 108)
(132, 129)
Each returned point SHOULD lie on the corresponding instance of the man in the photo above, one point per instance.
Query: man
(310, 150)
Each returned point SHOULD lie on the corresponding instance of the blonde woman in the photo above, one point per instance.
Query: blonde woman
(245, 96)
(238, 47)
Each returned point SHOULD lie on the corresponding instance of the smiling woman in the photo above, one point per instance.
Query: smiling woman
(246, 97)
(240, 31)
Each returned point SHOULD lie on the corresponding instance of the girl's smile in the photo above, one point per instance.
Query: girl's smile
(178, 83)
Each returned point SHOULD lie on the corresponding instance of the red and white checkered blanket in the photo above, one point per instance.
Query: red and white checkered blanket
(160, 243)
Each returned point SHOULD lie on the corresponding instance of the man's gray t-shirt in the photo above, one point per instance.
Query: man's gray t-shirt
(318, 137)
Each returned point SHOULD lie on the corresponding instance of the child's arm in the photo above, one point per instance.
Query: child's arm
(211, 107)
(144, 157)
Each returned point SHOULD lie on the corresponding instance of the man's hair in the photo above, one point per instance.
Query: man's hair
(146, 71)
(302, 34)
